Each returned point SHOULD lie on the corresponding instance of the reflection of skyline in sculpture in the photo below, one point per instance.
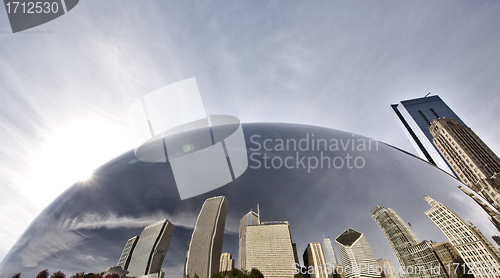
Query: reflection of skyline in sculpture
(410, 253)
(476, 165)
(313, 257)
(97, 218)
(269, 249)
(494, 216)
(205, 247)
(469, 241)
(415, 116)
(151, 248)
(355, 252)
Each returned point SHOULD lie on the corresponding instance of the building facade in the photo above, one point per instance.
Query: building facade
(355, 252)
(250, 218)
(464, 237)
(476, 165)
(314, 257)
(416, 258)
(124, 260)
(494, 215)
(205, 247)
(269, 249)
(451, 260)
(151, 248)
(329, 251)
(226, 262)
(415, 117)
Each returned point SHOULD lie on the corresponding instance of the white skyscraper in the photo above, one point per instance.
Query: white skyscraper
(472, 245)
(356, 254)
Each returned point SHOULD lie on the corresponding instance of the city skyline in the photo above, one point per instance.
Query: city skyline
(67, 84)
(139, 195)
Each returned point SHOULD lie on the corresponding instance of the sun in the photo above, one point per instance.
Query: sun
(72, 154)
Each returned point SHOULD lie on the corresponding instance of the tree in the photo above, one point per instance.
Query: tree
(298, 275)
(78, 275)
(113, 275)
(255, 273)
(43, 274)
(17, 275)
(58, 274)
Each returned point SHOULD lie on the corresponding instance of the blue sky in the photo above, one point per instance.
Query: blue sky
(337, 64)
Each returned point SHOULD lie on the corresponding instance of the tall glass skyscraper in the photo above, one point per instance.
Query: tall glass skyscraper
(205, 247)
(416, 116)
(151, 248)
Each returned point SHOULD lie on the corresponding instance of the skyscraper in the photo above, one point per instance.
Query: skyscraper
(329, 251)
(415, 117)
(410, 253)
(250, 218)
(466, 238)
(269, 249)
(387, 268)
(452, 262)
(226, 262)
(205, 247)
(476, 165)
(493, 214)
(127, 252)
(313, 256)
(151, 248)
(355, 252)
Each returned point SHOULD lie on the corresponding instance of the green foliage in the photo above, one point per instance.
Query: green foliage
(298, 275)
(58, 274)
(255, 273)
(236, 273)
(43, 274)
(196, 276)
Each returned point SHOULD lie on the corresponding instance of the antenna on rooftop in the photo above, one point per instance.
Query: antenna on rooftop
(428, 94)
(258, 214)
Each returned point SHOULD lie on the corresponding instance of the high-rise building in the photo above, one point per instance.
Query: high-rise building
(470, 243)
(355, 252)
(313, 257)
(494, 216)
(415, 117)
(388, 270)
(331, 259)
(411, 254)
(127, 252)
(452, 262)
(151, 248)
(250, 218)
(226, 262)
(476, 165)
(205, 247)
(269, 249)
